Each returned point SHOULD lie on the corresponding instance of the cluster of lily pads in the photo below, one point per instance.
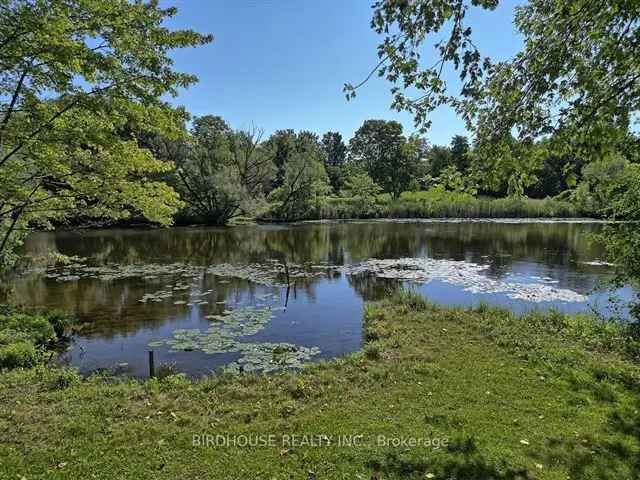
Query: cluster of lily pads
(116, 271)
(270, 357)
(271, 273)
(170, 291)
(223, 337)
(466, 274)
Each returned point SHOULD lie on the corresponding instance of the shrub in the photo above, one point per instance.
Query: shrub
(64, 378)
(35, 327)
(19, 354)
(60, 322)
(372, 352)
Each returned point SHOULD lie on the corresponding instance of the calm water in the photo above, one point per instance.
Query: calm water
(323, 309)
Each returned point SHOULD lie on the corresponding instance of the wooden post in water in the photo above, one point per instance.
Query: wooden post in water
(152, 368)
(286, 272)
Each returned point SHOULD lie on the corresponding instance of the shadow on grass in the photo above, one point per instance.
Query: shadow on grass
(463, 462)
(460, 467)
(614, 454)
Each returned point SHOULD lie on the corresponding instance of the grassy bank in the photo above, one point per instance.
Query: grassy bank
(492, 395)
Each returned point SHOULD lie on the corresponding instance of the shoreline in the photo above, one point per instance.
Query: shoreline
(455, 375)
(497, 220)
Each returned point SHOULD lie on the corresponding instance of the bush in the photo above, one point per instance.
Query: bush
(34, 327)
(60, 322)
(64, 378)
(21, 333)
(19, 354)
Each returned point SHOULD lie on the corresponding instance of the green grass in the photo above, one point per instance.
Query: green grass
(544, 396)
(443, 204)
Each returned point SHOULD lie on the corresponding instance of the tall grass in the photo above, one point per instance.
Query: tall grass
(442, 204)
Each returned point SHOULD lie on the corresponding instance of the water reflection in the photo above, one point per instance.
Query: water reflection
(321, 311)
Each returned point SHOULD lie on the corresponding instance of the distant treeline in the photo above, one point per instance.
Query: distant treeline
(222, 174)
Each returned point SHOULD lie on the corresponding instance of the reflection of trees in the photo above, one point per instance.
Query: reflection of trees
(372, 288)
(110, 308)
(497, 244)
(113, 306)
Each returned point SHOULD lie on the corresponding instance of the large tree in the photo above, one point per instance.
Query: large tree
(282, 146)
(460, 152)
(384, 153)
(223, 173)
(252, 161)
(206, 181)
(74, 76)
(304, 180)
(580, 64)
(335, 154)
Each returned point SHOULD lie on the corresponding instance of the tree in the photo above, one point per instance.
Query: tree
(210, 187)
(560, 172)
(507, 165)
(602, 182)
(335, 153)
(74, 75)
(334, 149)
(363, 190)
(253, 162)
(384, 153)
(580, 65)
(282, 146)
(224, 172)
(460, 152)
(304, 181)
(453, 180)
(438, 158)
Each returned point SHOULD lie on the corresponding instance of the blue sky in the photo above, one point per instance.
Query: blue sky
(282, 63)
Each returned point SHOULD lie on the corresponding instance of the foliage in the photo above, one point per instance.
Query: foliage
(282, 145)
(35, 328)
(363, 190)
(437, 202)
(206, 181)
(335, 154)
(622, 240)
(18, 354)
(451, 179)
(602, 182)
(460, 152)
(304, 182)
(253, 162)
(74, 76)
(559, 173)
(223, 172)
(379, 147)
(578, 66)
(507, 165)
(23, 335)
(438, 158)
